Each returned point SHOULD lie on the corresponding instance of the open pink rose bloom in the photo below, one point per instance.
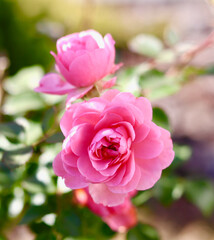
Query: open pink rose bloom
(112, 147)
(119, 218)
(82, 59)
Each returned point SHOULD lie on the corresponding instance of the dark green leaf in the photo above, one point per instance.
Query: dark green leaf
(55, 138)
(68, 223)
(160, 118)
(46, 236)
(48, 119)
(182, 154)
(39, 227)
(143, 232)
(11, 129)
(201, 193)
(33, 213)
(15, 158)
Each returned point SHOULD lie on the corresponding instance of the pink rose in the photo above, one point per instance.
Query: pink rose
(82, 59)
(119, 218)
(112, 146)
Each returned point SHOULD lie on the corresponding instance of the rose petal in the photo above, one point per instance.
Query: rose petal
(141, 132)
(77, 93)
(75, 182)
(131, 185)
(101, 194)
(118, 176)
(86, 169)
(108, 84)
(145, 106)
(148, 178)
(167, 155)
(80, 138)
(130, 170)
(119, 98)
(111, 170)
(87, 117)
(123, 111)
(52, 83)
(66, 122)
(110, 94)
(61, 67)
(73, 171)
(147, 149)
(58, 166)
(107, 120)
(97, 37)
(69, 158)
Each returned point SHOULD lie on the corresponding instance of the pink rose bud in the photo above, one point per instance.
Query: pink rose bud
(112, 146)
(82, 59)
(119, 218)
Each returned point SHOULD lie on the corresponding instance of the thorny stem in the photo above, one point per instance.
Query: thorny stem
(187, 57)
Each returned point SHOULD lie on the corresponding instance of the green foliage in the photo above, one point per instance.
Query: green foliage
(143, 232)
(20, 40)
(160, 118)
(201, 193)
(146, 44)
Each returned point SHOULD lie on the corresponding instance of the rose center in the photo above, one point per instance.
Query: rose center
(110, 145)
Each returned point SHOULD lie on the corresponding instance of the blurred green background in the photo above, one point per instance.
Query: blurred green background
(152, 38)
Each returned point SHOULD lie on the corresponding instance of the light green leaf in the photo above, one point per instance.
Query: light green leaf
(21, 103)
(147, 45)
(33, 130)
(26, 79)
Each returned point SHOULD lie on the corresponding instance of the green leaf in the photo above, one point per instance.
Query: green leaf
(201, 193)
(11, 130)
(26, 79)
(128, 80)
(39, 227)
(33, 130)
(28, 101)
(6, 145)
(46, 236)
(16, 158)
(160, 118)
(143, 232)
(147, 45)
(6, 177)
(33, 186)
(182, 154)
(164, 91)
(51, 100)
(33, 213)
(166, 56)
(55, 138)
(171, 37)
(151, 79)
(48, 119)
(168, 189)
(141, 197)
(68, 223)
